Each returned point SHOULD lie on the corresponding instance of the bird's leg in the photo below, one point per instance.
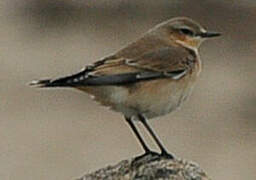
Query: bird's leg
(164, 153)
(134, 129)
(143, 144)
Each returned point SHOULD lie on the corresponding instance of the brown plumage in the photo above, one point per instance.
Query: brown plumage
(148, 78)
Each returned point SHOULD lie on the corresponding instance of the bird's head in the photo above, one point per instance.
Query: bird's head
(185, 32)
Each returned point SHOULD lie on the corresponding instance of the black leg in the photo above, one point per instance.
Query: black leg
(163, 150)
(143, 144)
(148, 152)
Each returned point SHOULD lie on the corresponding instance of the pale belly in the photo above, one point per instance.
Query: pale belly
(160, 97)
(150, 98)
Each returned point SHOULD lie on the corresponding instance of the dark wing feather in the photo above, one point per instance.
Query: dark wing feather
(163, 63)
(116, 79)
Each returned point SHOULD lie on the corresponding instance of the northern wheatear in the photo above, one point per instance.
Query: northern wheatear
(150, 77)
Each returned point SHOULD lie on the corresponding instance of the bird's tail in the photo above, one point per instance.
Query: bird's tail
(43, 83)
(66, 81)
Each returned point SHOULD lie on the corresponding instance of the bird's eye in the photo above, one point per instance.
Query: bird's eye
(187, 31)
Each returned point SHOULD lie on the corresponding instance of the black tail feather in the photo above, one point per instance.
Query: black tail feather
(67, 81)
(82, 79)
(62, 82)
(41, 83)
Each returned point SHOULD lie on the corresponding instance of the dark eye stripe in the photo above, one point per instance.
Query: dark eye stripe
(187, 31)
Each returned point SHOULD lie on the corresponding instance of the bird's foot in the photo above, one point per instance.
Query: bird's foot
(166, 155)
(149, 155)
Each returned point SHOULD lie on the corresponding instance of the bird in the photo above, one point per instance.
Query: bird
(150, 77)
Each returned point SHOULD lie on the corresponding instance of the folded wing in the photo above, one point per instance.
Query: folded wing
(166, 62)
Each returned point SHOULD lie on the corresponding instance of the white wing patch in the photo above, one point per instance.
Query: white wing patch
(175, 75)
(179, 75)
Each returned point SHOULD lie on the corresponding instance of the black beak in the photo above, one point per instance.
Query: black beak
(209, 34)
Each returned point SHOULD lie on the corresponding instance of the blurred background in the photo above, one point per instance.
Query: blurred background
(62, 134)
